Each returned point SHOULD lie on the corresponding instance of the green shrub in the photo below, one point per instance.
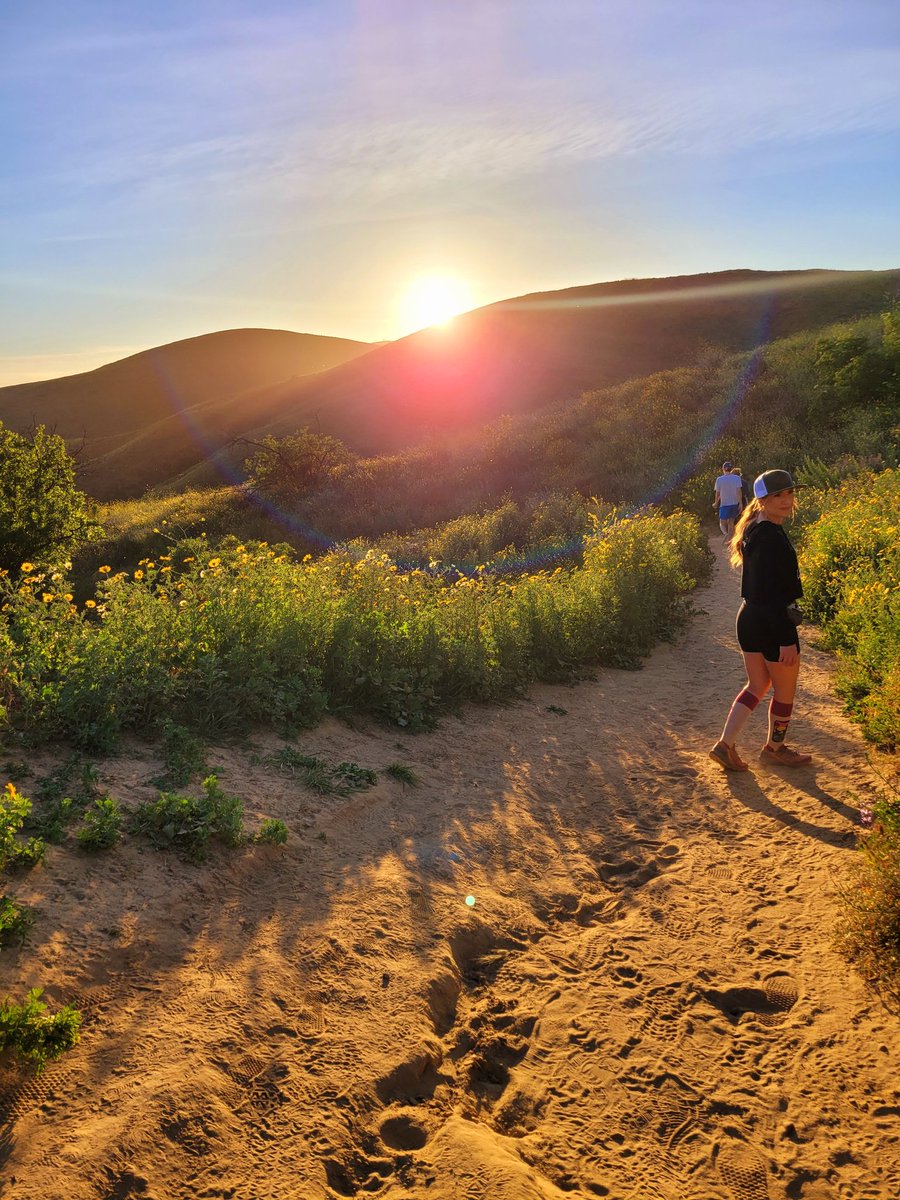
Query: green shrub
(101, 825)
(16, 855)
(850, 562)
(32, 1035)
(15, 921)
(272, 831)
(869, 931)
(43, 517)
(187, 823)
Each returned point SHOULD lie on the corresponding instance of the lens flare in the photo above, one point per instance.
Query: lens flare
(433, 300)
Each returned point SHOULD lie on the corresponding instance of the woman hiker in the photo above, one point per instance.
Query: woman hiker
(766, 622)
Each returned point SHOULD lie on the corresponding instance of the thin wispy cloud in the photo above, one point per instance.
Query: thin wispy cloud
(149, 147)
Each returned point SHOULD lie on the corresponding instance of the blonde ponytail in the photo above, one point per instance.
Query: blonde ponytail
(745, 520)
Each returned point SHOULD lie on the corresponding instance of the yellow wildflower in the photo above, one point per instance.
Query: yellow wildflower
(47, 597)
(90, 604)
(68, 596)
(27, 567)
(104, 570)
(139, 574)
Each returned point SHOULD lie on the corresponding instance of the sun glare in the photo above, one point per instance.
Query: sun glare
(433, 300)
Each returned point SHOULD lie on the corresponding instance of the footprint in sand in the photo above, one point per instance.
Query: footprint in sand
(744, 1173)
(771, 1003)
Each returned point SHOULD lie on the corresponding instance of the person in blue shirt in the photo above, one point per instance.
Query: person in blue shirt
(766, 621)
(729, 500)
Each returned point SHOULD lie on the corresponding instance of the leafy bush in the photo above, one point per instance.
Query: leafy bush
(187, 823)
(43, 516)
(15, 921)
(16, 855)
(272, 831)
(34, 1036)
(287, 469)
(101, 825)
(869, 932)
(851, 578)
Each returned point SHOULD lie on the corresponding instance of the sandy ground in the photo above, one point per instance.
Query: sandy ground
(643, 1001)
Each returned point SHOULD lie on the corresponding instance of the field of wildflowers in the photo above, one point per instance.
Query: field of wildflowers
(223, 639)
(851, 578)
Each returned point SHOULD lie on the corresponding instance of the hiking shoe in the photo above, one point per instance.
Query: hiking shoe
(726, 756)
(784, 756)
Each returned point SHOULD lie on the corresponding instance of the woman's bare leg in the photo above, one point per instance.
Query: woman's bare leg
(758, 683)
(784, 681)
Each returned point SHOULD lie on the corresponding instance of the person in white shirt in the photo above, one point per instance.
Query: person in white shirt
(729, 500)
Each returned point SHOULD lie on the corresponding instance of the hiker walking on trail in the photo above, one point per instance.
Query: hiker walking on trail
(767, 621)
(729, 500)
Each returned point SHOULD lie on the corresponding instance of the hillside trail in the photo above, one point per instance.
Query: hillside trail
(639, 1000)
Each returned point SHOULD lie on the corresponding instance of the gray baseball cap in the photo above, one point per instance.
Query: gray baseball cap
(771, 482)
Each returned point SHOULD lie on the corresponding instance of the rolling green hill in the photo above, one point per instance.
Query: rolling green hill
(164, 408)
(519, 356)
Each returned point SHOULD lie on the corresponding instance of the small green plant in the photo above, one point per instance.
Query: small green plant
(187, 823)
(14, 811)
(272, 831)
(319, 776)
(62, 795)
(183, 756)
(101, 825)
(26, 855)
(15, 921)
(403, 774)
(292, 761)
(352, 777)
(311, 771)
(32, 1035)
(54, 819)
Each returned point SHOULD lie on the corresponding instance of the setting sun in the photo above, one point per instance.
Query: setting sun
(433, 300)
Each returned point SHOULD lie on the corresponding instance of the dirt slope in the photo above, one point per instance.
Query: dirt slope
(642, 1003)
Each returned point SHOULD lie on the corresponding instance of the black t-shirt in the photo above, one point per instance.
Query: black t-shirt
(771, 575)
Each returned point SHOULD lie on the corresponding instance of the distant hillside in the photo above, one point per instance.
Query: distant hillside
(170, 403)
(518, 356)
(524, 354)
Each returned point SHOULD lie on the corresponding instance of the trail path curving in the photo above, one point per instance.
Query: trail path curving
(642, 1003)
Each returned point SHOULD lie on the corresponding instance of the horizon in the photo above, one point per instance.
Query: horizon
(208, 167)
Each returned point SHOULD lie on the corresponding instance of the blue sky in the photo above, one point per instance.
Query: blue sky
(176, 168)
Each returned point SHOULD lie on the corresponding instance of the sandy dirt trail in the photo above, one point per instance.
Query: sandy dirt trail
(642, 1003)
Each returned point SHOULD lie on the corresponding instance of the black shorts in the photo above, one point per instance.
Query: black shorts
(761, 630)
